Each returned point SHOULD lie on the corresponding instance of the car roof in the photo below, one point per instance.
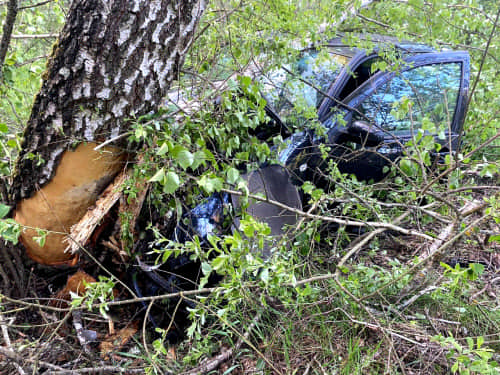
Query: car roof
(381, 42)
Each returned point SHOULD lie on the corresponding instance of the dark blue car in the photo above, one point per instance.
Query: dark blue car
(358, 98)
(365, 106)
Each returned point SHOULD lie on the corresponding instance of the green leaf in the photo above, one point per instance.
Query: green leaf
(198, 159)
(232, 175)
(163, 149)
(40, 239)
(407, 166)
(219, 262)
(183, 157)
(4, 210)
(172, 183)
(206, 268)
(10, 230)
(264, 275)
(480, 342)
(245, 81)
(494, 238)
(3, 128)
(158, 176)
(210, 184)
(204, 67)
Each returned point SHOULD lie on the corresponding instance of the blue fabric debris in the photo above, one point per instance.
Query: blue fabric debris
(205, 219)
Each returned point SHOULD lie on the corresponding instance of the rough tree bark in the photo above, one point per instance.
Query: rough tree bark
(8, 26)
(113, 62)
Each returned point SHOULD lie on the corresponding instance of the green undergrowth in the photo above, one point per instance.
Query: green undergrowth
(312, 307)
(327, 300)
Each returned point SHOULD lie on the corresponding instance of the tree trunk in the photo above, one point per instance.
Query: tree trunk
(8, 25)
(113, 62)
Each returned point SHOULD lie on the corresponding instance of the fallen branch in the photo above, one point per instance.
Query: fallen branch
(448, 231)
(353, 223)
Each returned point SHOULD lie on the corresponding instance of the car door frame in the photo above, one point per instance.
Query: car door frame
(338, 85)
(370, 86)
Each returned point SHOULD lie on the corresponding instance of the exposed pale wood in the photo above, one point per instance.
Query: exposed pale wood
(113, 62)
(80, 178)
(83, 230)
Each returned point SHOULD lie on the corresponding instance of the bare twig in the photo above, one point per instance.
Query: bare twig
(35, 36)
(8, 344)
(144, 341)
(35, 5)
(330, 219)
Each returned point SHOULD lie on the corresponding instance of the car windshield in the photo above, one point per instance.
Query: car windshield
(292, 91)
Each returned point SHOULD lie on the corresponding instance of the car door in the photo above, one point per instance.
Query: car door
(354, 74)
(432, 87)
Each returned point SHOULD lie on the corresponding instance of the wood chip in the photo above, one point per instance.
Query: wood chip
(116, 341)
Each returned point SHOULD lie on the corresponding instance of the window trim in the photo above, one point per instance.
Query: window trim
(380, 78)
(338, 85)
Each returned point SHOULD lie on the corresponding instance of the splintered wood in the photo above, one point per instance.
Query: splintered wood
(83, 230)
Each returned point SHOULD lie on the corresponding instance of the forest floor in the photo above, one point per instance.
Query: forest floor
(438, 319)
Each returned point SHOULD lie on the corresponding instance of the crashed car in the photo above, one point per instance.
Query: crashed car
(357, 105)
(368, 109)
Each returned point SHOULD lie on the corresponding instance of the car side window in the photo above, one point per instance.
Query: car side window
(430, 91)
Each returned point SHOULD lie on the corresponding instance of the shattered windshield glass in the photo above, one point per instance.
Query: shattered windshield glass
(292, 91)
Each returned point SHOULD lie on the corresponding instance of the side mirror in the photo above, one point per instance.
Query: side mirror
(363, 132)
